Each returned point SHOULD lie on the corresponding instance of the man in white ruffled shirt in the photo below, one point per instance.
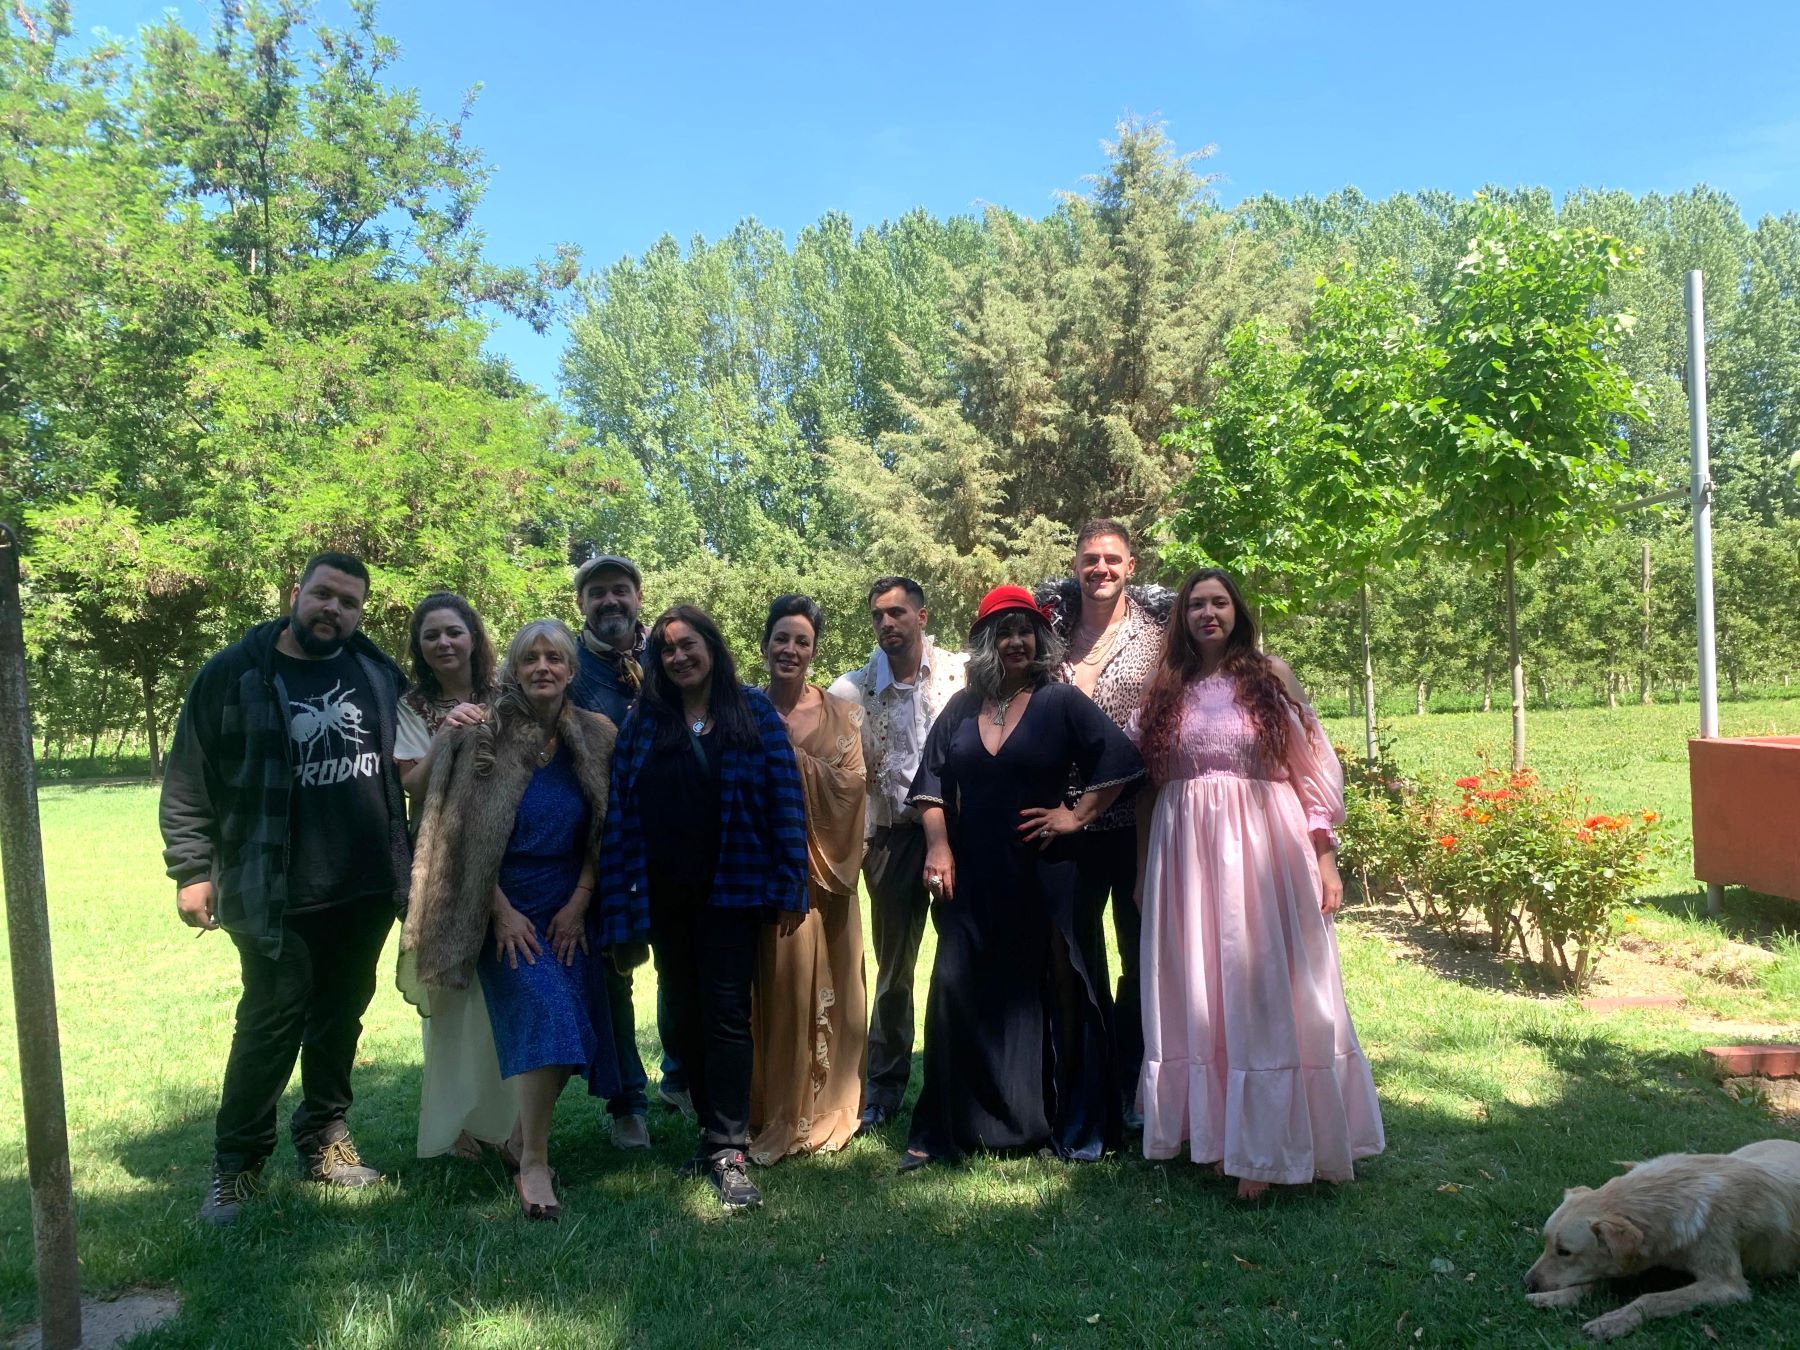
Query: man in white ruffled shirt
(901, 690)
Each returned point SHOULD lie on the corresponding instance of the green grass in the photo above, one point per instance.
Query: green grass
(1493, 1103)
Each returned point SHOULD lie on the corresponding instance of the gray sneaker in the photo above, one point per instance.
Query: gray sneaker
(679, 1099)
(730, 1179)
(226, 1193)
(630, 1132)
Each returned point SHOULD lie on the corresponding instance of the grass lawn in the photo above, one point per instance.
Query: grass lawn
(1494, 1101)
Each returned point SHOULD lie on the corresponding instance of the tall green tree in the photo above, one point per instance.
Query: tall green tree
(254, 330)
(1531, 455)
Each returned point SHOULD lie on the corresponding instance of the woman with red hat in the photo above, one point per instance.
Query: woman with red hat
(1002, 842)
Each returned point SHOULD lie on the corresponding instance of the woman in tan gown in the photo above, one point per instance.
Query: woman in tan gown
(810, 1015)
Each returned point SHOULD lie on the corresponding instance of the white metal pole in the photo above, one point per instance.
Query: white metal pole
(1700, 494)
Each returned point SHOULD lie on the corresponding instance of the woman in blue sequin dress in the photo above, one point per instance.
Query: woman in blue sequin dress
(503, 884)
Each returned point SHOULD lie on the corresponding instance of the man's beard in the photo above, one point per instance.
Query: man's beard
(615, 629)
(312, 644)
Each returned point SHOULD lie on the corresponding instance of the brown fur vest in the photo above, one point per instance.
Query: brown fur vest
(467, 819)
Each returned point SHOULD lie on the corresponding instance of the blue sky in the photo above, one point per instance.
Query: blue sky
(610, 125)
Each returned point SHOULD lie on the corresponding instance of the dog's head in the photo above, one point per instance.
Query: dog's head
(1587, 1239)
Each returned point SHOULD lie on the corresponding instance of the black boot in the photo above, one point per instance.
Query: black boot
(335, 1162)
(226, 1193)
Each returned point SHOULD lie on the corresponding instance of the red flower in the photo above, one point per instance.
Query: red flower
(1649, 817)
(1468, 782)
(1584, 835)
(1593, 822)
(1448, 841)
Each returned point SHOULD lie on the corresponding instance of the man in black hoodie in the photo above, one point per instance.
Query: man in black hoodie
(284, 823)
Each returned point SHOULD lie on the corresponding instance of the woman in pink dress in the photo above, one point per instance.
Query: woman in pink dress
(1249, 1054)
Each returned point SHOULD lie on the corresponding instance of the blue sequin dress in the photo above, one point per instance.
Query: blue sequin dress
(546, 1015)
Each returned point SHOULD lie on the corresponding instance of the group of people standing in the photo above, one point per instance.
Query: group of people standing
(549, 820)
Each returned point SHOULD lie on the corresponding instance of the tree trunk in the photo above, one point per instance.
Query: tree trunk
(1515, 662)
(148, 676)
(1370, 749)
(1644, 645)
(1419, 691)
(1487, 681)
(1612, 688)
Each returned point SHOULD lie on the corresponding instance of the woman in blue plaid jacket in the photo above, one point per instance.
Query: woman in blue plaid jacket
(705, 843)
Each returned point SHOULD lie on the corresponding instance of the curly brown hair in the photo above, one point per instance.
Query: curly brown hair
(1260, 691)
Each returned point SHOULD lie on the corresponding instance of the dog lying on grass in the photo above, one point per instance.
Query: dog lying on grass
(1716, 1216)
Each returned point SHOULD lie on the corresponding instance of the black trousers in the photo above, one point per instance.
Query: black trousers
(894, 871)
(306, 1004)
(705, 970)
(1108, 866)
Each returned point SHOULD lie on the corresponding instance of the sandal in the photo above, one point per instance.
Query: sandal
(531, 1209)
(912, 1160)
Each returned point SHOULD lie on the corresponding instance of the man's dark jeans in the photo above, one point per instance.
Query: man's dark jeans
(894, 872)
(1108, 866)
(307, 1004)
(631, 1100)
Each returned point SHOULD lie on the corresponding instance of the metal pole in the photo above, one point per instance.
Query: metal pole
(34, 982)
(1700, 493)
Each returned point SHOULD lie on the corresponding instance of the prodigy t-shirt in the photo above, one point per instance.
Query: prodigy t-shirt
(337, 814)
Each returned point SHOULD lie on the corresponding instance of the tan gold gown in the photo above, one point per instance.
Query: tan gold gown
(810, 1015)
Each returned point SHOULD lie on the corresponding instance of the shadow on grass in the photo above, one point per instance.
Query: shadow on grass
(989, 1253)
(1463, 954)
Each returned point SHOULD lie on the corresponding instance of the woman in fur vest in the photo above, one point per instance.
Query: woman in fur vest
(503, 881)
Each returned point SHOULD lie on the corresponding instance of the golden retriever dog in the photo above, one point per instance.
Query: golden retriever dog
(1716, 1216)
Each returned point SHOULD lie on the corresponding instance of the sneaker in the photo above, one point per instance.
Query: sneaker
(728, 1177)
(226, 1194)
(630, 1132)
(679, 1099)
(336, 1164)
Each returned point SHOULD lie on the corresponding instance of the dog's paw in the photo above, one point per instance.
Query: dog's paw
(1558, 1298)
(1618, 1322)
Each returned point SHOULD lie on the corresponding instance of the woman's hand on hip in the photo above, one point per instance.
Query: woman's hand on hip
(568, 929)
(514, 936)
(788, 921)
(1043, 825)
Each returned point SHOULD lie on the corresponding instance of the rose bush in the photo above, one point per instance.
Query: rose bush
(1546, 873)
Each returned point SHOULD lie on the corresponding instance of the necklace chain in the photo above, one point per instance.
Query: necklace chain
(1096, 654)
(1001, 705)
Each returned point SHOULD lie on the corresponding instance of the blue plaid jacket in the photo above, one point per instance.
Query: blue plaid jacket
(762, 825)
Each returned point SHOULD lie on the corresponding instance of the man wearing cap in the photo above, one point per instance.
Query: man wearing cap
(609, 590)
(906, 681)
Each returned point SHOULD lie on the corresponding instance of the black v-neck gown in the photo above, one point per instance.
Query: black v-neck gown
(1016, 1046)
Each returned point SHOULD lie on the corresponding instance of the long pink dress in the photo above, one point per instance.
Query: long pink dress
(1249, 1054)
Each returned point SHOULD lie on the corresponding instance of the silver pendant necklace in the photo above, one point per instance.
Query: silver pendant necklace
(1001, 705)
